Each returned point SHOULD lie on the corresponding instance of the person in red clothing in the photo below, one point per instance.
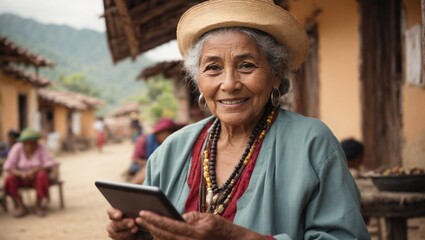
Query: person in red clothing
(147, 144)
(27, 165)
(99, 127)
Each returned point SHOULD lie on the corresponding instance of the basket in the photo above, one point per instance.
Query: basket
(400, 183)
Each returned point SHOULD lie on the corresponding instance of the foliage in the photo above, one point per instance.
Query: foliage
(77, 82)
(158, 99)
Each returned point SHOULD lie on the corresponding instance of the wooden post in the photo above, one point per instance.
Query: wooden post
(423, 41)
(381, 83)
(396, 228)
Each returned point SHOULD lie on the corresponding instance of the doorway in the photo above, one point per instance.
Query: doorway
(22, 111)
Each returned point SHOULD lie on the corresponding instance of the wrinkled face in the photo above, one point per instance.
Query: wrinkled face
(235, 78)
(30, 147)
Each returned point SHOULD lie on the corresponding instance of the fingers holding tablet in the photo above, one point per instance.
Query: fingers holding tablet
(120, 228)
(127, 201)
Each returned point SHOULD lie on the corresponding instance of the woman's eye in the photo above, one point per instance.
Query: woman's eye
(247, 66)
(212, 67)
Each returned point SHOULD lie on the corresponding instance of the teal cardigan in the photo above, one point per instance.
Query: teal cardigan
(300, 188)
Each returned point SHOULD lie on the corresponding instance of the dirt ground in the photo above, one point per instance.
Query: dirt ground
(84, 216)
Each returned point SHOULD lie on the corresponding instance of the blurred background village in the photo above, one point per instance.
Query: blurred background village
(63, 64)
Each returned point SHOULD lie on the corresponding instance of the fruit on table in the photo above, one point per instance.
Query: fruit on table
(398, 171)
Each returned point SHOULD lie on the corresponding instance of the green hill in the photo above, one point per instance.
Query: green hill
(72, 50)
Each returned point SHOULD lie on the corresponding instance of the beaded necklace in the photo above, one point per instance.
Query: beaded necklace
(215, 199)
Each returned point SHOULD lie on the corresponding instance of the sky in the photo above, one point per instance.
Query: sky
(79, 14)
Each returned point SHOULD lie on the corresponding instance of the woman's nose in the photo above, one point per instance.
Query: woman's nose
(230, 82)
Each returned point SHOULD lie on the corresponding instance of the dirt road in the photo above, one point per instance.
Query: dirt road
(84, 216)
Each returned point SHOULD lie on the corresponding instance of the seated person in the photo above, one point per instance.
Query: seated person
(147, 144)
(12, 137)
(27, 165)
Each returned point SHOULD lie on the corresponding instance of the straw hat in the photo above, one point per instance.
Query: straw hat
(263, 15)
(28, 134)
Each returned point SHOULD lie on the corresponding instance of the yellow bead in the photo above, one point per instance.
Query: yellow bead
(220, 209)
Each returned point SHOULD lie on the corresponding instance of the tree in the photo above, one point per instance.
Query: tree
(76, 82)
(158, 99)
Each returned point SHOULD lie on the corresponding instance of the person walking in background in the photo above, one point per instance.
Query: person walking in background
(27, 165)
(99, 127)
(136, 128)
(147, 144)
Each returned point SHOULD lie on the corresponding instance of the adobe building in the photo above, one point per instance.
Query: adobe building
(18, 87)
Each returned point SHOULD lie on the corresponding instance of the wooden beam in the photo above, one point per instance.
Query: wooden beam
(161, 26)
(142, 15)
(155, 41)
(423, 41)
(129, 30)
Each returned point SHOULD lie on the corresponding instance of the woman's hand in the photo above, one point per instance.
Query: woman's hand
(197, 226)
(22, 174)
(29, 174)
(120, 228)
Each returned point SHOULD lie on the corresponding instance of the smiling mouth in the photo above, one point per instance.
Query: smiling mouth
(233, 101)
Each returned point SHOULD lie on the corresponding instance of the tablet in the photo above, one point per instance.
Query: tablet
(132, 198)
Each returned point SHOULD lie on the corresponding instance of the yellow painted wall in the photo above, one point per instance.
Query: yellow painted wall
(413, 104)
(339, 54)
(10, 89)
(60, 121)
(88, 118)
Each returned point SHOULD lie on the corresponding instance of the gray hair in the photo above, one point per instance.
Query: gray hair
(276, 54)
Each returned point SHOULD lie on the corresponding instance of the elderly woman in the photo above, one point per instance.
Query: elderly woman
(252, 171)
(27, 165)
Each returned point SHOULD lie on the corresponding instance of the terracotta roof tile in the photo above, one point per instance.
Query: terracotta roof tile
(70, 99)
(126, 108)
(20, 74)
(11, 53)
(170, 69)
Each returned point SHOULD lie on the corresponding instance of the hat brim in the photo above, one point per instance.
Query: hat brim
(27, 139)
(170, 128)
(261, 15)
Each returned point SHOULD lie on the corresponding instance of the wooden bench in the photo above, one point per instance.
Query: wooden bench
(59, 184)
(54, 181)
